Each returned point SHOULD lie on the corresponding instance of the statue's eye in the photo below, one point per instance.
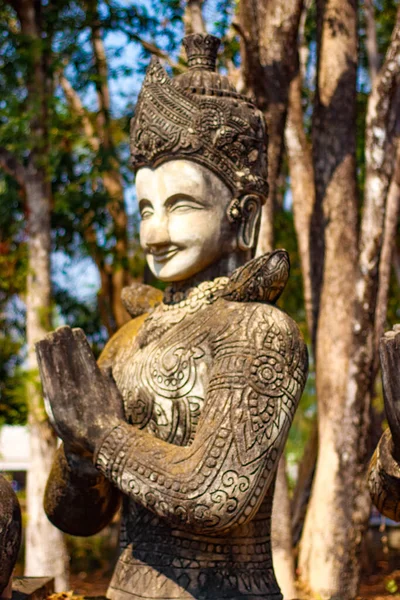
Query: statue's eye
(146, 209)
(182, 205)
(146, 213)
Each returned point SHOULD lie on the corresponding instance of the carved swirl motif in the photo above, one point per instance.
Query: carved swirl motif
(268, 372)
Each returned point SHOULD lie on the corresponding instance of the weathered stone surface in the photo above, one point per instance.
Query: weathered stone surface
(32, 588)
(10, 532)
(188, 410)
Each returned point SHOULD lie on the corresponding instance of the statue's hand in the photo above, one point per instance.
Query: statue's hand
(83, 402)
(389, 350)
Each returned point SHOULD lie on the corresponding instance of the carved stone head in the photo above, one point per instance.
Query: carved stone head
(199, 149)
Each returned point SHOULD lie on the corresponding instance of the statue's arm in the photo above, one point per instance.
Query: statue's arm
(78, 498)
(384, 468)
(384, 478)
(220, 480)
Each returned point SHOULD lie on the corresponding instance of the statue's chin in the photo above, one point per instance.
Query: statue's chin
(169, 274)
(179, 267)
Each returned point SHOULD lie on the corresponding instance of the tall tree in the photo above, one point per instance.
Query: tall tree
(333, 255)
(45, 549)
(344, 390)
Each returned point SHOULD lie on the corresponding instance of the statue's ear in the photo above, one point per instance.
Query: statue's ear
(250, 212)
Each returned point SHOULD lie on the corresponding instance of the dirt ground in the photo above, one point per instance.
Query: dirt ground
(378, 586)
(373, 587)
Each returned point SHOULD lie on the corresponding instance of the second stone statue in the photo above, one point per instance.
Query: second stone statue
(187, 412)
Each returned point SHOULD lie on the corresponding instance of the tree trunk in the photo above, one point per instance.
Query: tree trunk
(302, 491)
(387, 254)
(268, 33)
(303, 191)
(371, 41)
(45, 553)
(281, 535)
(339, 506)
(323, 560)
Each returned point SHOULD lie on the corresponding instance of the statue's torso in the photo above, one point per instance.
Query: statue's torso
(163, 377)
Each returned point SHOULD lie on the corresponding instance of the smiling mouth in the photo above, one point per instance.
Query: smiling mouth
(164, 254)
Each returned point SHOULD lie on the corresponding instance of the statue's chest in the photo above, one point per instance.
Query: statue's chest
(164, 383)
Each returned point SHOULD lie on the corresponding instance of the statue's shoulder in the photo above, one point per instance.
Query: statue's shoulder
(122, 338)
(138, 299)
(261, 280)
(254, 288)
(261, 317)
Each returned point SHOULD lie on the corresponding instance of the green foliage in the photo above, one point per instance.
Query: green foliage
(391, 585)
(13, 408)
(13, 270)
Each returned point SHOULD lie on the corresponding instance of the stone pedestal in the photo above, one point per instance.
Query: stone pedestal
(32, 588)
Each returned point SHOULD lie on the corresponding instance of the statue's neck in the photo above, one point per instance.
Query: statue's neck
(222, 268)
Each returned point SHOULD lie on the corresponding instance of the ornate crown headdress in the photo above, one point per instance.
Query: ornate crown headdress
(200, 116)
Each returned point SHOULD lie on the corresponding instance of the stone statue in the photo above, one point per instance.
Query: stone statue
(10, 535)
(384, 470)
(187, 412)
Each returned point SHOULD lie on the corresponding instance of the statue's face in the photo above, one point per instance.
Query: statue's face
(184, 226)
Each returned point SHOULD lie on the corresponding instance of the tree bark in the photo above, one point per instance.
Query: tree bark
(281, 535)
(302, 491)
(387, 254)
(193, 17)
(333, 245)
(303, 190)
(371, 40)
(268, 34)
(45, 553)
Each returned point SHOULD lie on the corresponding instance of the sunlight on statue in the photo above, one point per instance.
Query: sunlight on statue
(187, 412)
(186, 225)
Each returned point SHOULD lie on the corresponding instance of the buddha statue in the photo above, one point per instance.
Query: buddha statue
(185, 415)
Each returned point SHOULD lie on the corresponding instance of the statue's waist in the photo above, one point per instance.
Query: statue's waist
(160, 561)
(250, 543)
(157, 574)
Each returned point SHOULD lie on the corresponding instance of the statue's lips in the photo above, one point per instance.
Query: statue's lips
(162, 256)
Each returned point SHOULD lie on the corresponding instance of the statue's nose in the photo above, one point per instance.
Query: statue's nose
(157, 232)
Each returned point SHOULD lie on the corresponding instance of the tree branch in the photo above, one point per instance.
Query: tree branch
(100, 60)
(382, 115)
(193, 17)
(371, 40)
(78, 109)
(303, 190)
(10, 164)
(158, 52)
(388, 245)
